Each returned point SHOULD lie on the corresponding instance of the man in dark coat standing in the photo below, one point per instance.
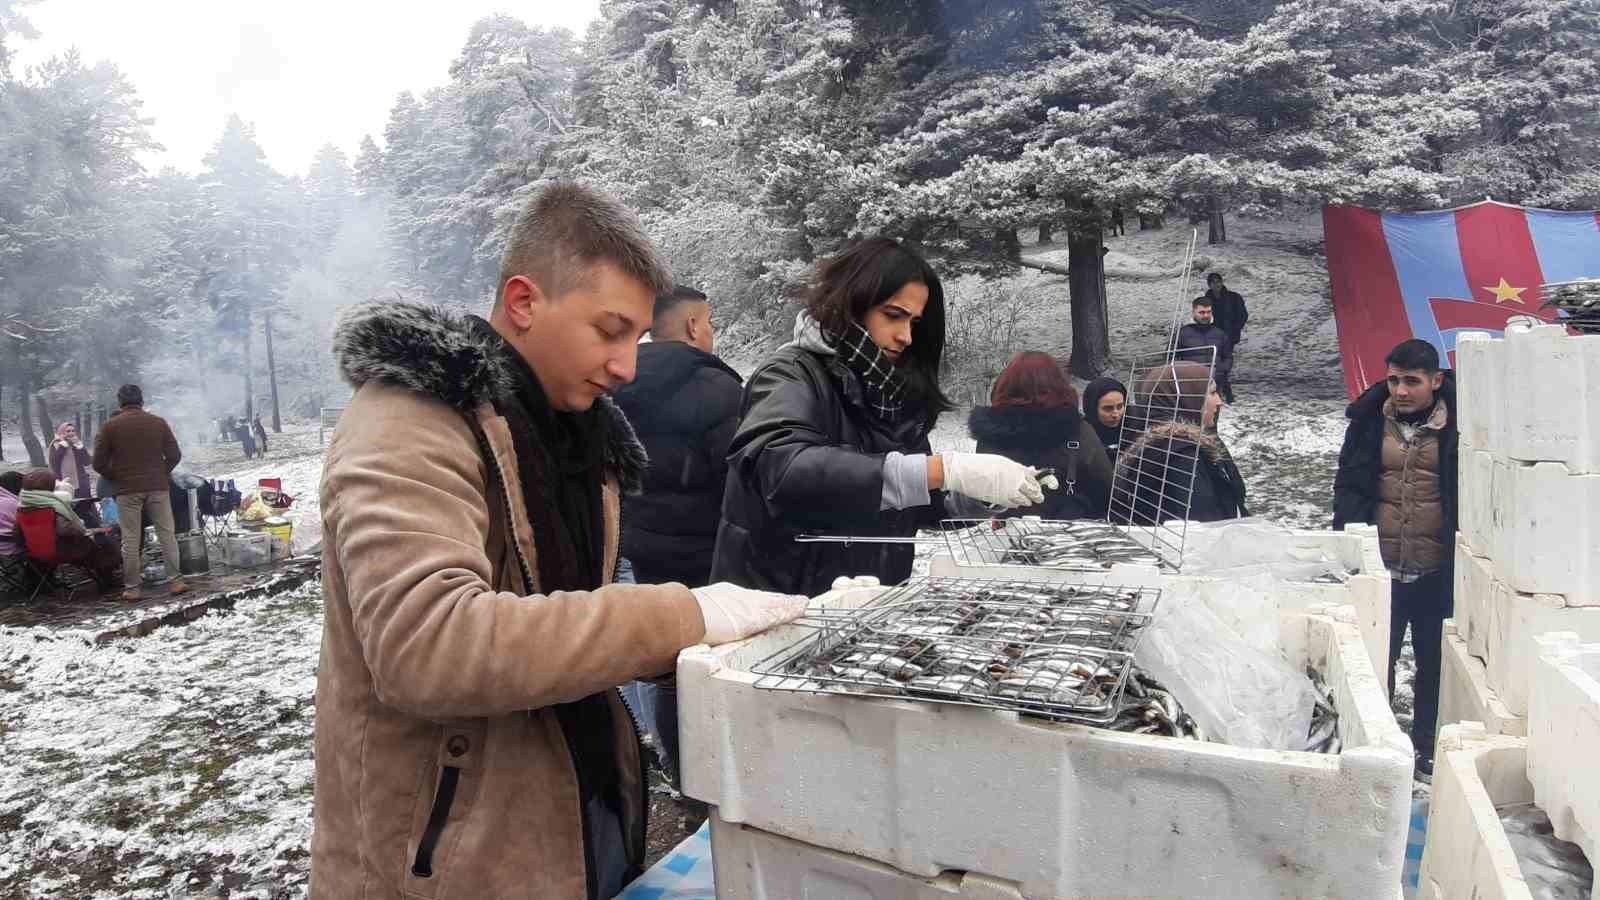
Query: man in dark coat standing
(1397, 470)
(137, 452)
(1231, 314)
(684, 406)
(1204, 332)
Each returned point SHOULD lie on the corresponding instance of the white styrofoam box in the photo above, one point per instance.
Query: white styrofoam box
(1504, 624)
(1564, 738)
(1478, 392)
(1559, 420)
(1474, 511)
(1464, 692)
(1467, 854)
(1055, 807)
(1474, 586)
(1545, 530)
(756, 865)
(1355, 548)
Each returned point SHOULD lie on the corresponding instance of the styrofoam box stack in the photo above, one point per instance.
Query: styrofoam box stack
(1530, 457)
(1564, 738)
(1464, 692)
(1500, 625)
(1467, 854)
(1054, 809)
(1355, 549)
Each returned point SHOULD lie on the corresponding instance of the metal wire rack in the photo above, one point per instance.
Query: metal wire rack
(1152, 488)
(1078, 545)
(1057, 651)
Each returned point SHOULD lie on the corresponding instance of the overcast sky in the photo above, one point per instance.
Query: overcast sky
(305, 73)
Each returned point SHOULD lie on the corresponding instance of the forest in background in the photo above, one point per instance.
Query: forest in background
(753, 136)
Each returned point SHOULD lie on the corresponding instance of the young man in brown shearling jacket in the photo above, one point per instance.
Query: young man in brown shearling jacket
(470, 740)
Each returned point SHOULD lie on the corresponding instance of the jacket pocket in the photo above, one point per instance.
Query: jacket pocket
(443, 798)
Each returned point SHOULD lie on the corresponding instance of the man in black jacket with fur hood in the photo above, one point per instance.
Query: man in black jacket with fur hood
(1397, 470)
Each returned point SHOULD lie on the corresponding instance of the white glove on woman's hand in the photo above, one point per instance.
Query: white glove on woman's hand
(992, 479)
(733, 613)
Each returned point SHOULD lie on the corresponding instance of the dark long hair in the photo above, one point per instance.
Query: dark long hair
(867, 274)
(1033, 379)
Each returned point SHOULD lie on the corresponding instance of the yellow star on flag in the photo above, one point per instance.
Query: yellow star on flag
(1503, 292)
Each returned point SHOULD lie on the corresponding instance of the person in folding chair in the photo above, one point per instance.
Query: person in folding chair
(833, 438)
(64, 540)
(14, 575)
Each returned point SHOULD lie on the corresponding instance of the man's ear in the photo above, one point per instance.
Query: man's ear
(1438, 380)
(692, 326)
(520, 297)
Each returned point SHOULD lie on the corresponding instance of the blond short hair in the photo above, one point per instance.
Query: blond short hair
(566, 229)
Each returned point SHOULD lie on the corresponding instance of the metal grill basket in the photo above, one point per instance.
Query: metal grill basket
(1058, 651)
(1074, 545)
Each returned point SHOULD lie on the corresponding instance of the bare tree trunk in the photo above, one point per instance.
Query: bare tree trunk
(272, 376)
(249, 377)
(30, 440)
(47, 424)
(1047, 233)
(1091, 334)
(1009, 245)
(1219, 228)
(1151, 223)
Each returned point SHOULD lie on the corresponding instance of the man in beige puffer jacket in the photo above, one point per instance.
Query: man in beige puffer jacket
(470, 742)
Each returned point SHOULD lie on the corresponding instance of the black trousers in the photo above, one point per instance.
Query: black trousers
(1423, 604)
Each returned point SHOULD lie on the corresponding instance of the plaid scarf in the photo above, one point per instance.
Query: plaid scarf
(883, 384)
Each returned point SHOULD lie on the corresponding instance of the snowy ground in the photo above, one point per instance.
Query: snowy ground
(179, 765)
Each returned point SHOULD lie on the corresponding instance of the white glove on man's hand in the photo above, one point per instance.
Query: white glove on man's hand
(992, 479)
(733, 613)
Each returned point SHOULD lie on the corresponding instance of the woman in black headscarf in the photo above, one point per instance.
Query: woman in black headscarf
(1104, 401)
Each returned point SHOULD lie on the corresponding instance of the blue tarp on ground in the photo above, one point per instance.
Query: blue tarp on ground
(683, 874)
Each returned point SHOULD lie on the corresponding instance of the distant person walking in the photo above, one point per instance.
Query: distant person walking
(69, 461)
(1231, 314)
(261, 438)
(1201, 333)
(137, 452)
(247, 439)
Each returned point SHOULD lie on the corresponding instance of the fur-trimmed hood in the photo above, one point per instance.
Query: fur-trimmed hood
(1024, 426)
(459, 360)
(1167, 437)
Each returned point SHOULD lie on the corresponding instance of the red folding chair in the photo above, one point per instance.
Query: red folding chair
(38, 530)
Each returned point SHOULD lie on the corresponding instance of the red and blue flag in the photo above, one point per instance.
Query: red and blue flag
(1432, 275)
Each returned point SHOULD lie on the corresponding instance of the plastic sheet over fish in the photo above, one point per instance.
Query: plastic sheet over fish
(1552, 868)
(1060, 651)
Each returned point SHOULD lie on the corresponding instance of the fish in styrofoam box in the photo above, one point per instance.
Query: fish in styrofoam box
(1464, 691)
(1564, 737)
(927, 789)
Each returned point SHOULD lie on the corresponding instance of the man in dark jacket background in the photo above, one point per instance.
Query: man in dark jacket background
(137, 452)
(1204, 332)
(1397, 470)
(1231, 314)
(684, 406)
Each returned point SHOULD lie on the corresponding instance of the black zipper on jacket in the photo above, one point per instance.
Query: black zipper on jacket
(422, 866)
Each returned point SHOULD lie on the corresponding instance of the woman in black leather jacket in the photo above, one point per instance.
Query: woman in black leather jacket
(833, 437)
